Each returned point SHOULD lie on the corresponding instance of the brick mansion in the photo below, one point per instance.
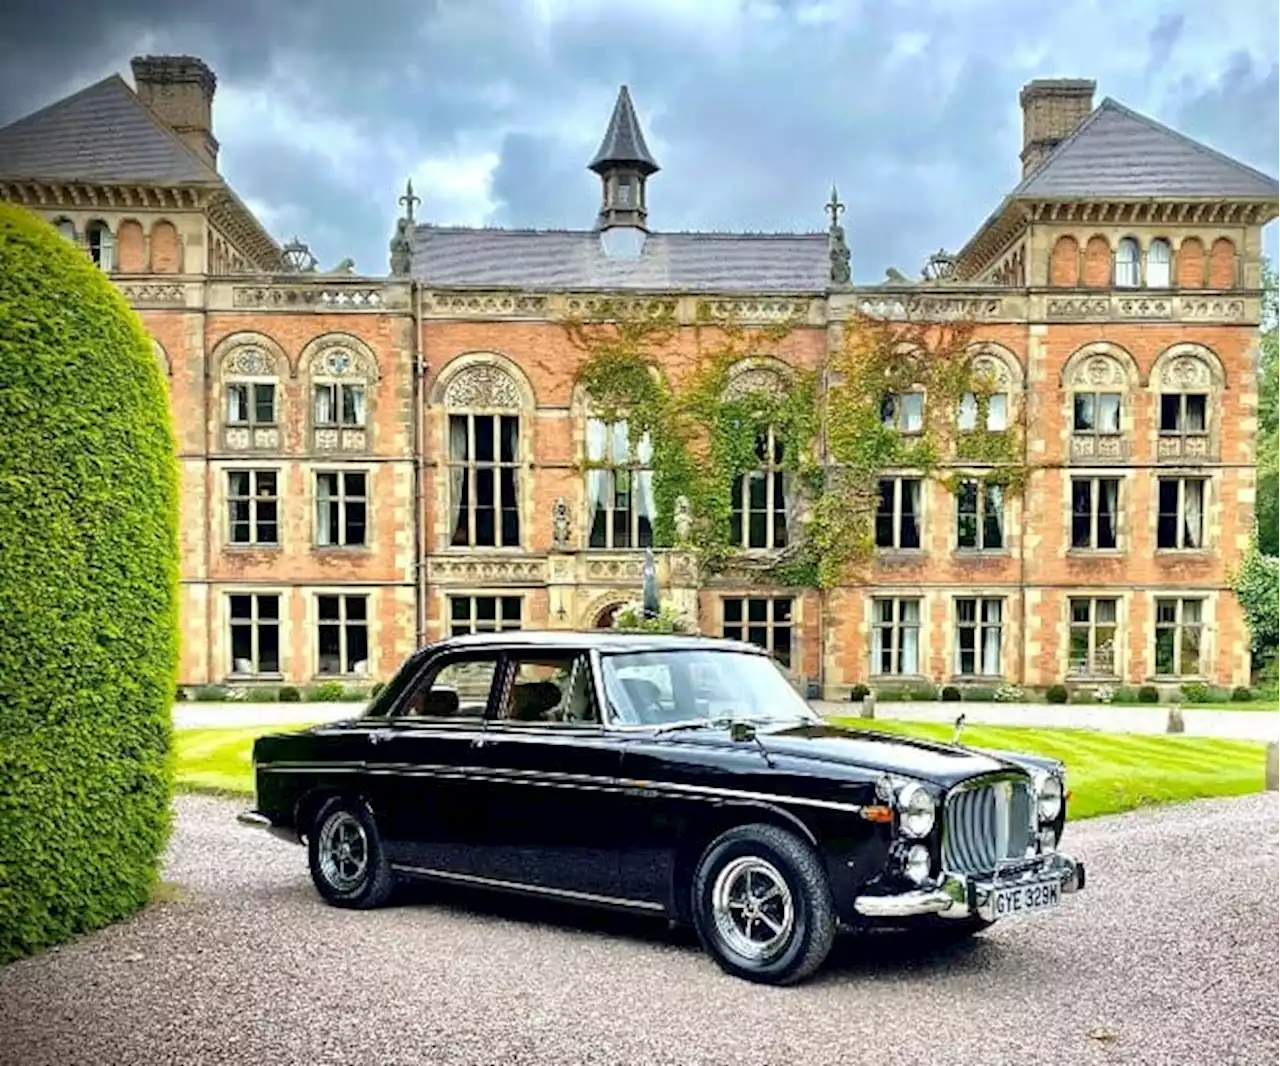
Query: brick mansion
(372, 462)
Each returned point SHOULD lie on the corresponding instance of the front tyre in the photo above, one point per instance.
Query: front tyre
(762, 906)
(348, 862)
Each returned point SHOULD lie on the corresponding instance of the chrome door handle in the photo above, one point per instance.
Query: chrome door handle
(479, 742)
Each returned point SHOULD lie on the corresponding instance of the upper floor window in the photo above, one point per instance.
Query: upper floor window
(484, 462)
(1095, 513)
(759, 517)
(253, 507)
(1190, 381)
(622, 193)
(1159, 264)
(67, 228)
(102, 245)
(1128, 256)
(997, 418)
(251, 389)
(1184, 413)
(980, 516)
(903, 411)
(1096, 413)
(1098, 382)
(340, 377)
(620, 501)
(251, 403)
(1181, 520)
(898, 514)
(341, 509)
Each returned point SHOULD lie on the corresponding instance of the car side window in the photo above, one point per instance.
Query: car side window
(457, 688)
(549, 689)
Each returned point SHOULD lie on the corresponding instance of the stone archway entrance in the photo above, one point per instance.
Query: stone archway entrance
(604, 620)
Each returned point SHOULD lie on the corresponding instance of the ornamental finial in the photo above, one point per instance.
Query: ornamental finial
(408, 200)
(834, 206)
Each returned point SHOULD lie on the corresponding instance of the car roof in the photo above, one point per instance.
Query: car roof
(604, 640)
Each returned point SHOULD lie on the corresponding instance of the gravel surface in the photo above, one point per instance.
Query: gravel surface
(1169, 956)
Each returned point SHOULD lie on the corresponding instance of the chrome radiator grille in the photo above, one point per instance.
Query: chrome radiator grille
(987, 822)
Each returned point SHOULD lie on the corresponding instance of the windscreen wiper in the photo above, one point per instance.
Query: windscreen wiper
(740, 729)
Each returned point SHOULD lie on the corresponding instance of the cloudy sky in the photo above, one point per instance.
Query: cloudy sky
(753, 107)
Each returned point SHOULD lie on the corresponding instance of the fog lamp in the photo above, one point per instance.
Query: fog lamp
(916, 863)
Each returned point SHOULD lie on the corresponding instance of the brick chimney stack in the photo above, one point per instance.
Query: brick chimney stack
(179, 90)
(1052, 110)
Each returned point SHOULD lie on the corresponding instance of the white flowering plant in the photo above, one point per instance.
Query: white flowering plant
(1009, 694)
(630, 617)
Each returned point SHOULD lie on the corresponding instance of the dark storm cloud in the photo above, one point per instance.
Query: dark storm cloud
(753, 108)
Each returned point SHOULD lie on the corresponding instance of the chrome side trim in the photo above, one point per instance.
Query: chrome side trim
(522, 887)
(554, 780)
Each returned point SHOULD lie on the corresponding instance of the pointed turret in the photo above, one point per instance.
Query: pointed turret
(623, 163)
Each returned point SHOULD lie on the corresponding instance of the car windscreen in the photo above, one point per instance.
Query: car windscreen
(659, 687)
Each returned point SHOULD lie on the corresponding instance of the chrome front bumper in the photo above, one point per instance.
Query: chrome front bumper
(254, 820)
(960, 896)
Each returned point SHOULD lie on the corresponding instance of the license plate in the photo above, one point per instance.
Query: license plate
(1024, 899)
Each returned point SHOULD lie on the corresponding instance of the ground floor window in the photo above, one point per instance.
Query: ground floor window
(895, 636)
(1179, 637)
(763, 622)
(1092, 649)
(484, 614)
(255, 633)
(979, 631)
(342, 624)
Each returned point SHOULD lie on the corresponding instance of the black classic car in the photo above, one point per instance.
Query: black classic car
(677, 775)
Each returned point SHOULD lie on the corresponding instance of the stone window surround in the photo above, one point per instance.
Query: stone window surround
(282, 628)
(1121, 660)
(794, 623)
(223, 471)
(499, 593)
(1208, 631)
(952, 649)
(313, 502)
(312, 623)
(1095, 475)
(923, 628)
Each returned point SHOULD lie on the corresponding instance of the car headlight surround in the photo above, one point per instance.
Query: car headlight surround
(916, 864)
(1048, 796)
(916, 810)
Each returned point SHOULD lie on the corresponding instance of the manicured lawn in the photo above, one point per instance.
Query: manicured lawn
(1106, 772)
(1109, 772)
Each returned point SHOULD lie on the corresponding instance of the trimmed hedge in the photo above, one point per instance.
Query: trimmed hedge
(88, 594)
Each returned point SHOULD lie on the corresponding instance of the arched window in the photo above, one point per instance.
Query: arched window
(1127, 254)
(621, 508)
(1159, 264)
(251, 397)
(1189, 381)
(759, 496)
(340, 379)
(1097, 381)
(102, 245)
(67, 228)
(484, 406)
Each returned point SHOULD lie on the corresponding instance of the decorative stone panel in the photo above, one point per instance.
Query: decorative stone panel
(150, 294)
(482, 387)
(484, 305)
(316, 296)
(481, 571)
(1089, 449)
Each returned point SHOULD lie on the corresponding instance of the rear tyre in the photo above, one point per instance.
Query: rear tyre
(762, 906)
(348, 862)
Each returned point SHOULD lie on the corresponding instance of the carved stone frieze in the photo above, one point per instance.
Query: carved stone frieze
(154, 293)
(326, 297)
(473, 571)
(1186, 373)
(1183, 449)
(780, 310)
(249, 360)
(639, 306)
(932, 307)
(1097, 372)
(615, 569)
(990, 369)
(1144, 307)
(482, 386)
(332, 439)
(1079, 307)
(484, 305)
(341, 362)
(754, 379)
(1087, 449)
(1211, 308)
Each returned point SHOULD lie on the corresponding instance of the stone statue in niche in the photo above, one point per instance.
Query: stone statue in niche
(560, 526)
(683, 519)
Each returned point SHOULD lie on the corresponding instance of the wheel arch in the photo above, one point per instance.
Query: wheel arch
(312, 799)
(711, 824)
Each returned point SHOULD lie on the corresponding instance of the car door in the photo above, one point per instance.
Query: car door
(553, 787)
(430, 802)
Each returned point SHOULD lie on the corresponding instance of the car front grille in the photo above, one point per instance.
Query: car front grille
(987, 822)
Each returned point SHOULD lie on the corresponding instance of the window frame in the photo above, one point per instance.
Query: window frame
(896, 628)
(343, 622)
(104, 254)
(981, 492)
(895, 420)
(980, 625)
(771, 625)
(608, 466)
(253, 499)
(470, 468)
(1090, 671)
(1166, 265)
(338, 390)
(899, 484)
(254, 624)
(1128, 243)
(1095, 431)
(1176, 627)
(1179, 515)
(251, 385)
(772, 467)
(1094, 481)
(1180, 431)
(342, 498)
(473, 617)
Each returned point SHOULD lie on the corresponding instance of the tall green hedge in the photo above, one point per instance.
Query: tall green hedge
(88, 594)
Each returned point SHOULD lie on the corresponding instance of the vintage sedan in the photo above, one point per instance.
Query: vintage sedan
(682, 776)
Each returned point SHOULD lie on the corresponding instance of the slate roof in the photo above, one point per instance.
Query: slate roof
(101, 134)
(1119, 153)
(574, 260)
(623, 140)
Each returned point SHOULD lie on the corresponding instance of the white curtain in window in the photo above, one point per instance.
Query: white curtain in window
(238, 403)
(1159, 259)
(645, 503)
(911, 490)
(992, 614)
(1127, 263)
(1109, 412)
(1196, 409)
(619, 445)
(1193, 512)
(457, 451)
(325, 514)
(1109, 510)
(968, 417)
(325, 414)
(644, 450)
(998, 412)
(909, 636)
(995, 508)
(597, 434)
(913, 412)
(597, 487)
(356, 393)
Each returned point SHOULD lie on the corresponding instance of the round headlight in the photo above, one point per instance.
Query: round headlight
(916, 810)
(1048, 797)
(915, 864)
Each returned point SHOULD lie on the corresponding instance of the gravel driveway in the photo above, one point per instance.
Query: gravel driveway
(1169, 956)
